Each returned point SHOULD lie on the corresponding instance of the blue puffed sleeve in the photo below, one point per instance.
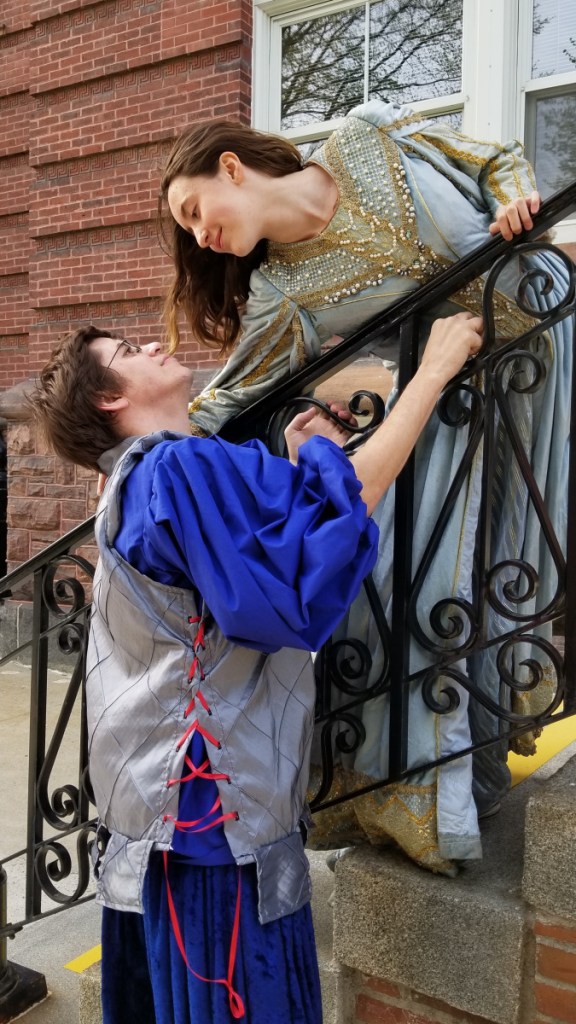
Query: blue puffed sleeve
(278, 552)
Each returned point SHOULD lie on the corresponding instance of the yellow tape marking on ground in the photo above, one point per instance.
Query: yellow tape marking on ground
(554, 738)
(81, 963)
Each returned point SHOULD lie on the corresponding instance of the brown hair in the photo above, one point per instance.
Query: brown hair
(209, 287)
(64, 400)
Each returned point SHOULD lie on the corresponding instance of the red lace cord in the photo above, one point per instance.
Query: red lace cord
(198, 773)
(190, 826)
(196, 727)
(199, 696)
(235, 1000)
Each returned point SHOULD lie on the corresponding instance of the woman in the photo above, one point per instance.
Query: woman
(272, 258)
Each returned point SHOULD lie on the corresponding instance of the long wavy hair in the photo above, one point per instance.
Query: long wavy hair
(211, 288)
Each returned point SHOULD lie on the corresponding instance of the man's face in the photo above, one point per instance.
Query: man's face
(148, 373)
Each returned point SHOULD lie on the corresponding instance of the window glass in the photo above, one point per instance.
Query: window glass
(554, 40)
(322, 67)
(415, 49)
(400, 50)
(554, 147)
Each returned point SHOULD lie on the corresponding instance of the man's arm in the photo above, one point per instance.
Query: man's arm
(379, 461)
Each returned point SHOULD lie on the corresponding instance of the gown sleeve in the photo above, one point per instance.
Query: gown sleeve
(500, 169)
(491, 174)
(278, 552)
(277, 339)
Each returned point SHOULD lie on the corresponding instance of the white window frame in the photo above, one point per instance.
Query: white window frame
(270, 16)
(496, 71)
(528, 87)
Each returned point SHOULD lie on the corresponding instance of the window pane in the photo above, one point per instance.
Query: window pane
(454, 119)
(554, 149)
(307, 149)
(322, 67)
(415, 49)
(554, 42)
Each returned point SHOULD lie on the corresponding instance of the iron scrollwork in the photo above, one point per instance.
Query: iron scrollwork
(357, 405)
(66, 808)
(443, 699)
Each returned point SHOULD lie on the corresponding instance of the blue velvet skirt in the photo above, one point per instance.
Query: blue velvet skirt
(145, 979)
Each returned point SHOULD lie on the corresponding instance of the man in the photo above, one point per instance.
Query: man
(220, 568)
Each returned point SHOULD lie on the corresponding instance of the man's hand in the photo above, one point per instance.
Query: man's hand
(515, 217)
(377, 463)
(452, 341)
(314, 423)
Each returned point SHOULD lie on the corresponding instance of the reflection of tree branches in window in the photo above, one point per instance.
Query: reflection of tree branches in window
(539, 22)
(556, 141)
(415, 51)
(571, 56)
(538, 19)
(322, 67)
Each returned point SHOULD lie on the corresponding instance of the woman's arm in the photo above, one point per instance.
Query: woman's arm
(502, 172)
(276, 340)
(379, 461)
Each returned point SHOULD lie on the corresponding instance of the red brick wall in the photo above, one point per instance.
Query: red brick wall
(378, 1002)
(555, 973)
(91, 96)
(548, 993)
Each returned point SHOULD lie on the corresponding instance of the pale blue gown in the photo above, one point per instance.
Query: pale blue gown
(414, 196)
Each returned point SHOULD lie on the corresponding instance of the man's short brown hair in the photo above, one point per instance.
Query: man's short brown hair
(64, 402)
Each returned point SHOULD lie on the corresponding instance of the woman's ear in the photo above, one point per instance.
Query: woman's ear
(232, 167)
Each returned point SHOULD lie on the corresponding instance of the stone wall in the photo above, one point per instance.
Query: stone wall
(496, 944)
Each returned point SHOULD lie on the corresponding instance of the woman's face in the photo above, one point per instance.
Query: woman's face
(220, 211)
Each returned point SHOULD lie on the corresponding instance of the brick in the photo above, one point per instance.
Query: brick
(371, 1011)
(378, 985)
(18, 487)
(38, 514)
(559, 1003)
(555, 930)
(36, 489)
(71, 492)
(21, 440)
(555, 963)
(31, 465)
(18, 546)
(91, 97)
(64, 473)
(444, 1009)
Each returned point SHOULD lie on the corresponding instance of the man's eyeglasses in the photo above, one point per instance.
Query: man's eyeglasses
(123, 344)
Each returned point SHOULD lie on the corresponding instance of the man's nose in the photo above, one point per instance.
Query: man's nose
(152, 348)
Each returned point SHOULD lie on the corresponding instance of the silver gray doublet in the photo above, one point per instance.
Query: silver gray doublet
(260, 715)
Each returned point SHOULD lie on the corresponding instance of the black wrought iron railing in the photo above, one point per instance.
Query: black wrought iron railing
(515, 617)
